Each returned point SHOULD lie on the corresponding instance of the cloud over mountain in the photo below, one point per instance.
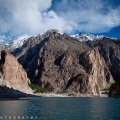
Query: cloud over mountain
(37, 16)
(29, 16)
(90, 15)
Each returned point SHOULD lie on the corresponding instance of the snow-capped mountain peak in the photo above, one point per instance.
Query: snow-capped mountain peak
(16, 42)
(86, 37)
(51, 31)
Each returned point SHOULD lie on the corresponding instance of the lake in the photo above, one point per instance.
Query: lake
(57, 108)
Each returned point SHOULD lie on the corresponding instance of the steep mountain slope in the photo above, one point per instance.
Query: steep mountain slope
(110, 50)
(61, 63)
(96, 75)
(12, 75)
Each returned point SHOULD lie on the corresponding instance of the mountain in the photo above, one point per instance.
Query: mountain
(61, 63)
(12, 44)
(13, 78)
(89, 37)
(16, 42)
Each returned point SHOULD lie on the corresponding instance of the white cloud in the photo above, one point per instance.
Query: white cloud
(30, 17)
(36, 16)
(54, 21)
(21, 16)
(90, 15)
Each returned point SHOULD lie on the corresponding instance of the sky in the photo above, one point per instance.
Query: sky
(34, 17)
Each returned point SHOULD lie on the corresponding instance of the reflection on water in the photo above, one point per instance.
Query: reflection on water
(16, 109)
(13, 107)
(62, 109)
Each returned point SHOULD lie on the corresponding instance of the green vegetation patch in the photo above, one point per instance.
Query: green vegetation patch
(37, 89)
(105, 91)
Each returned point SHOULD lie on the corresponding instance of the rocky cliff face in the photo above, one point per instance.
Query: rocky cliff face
(98, 75)
(12, 75)
(61, 63)
(110, 50)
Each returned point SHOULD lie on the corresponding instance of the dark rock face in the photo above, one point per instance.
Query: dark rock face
(114, 90)
(12, 75)
(60, 63)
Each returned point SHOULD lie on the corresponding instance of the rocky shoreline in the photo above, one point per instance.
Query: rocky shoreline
(27, 97)
(68, 95)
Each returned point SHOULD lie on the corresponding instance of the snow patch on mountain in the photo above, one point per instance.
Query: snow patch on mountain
(86, 37)
(51, 31)
(16, 42)
(90, 37)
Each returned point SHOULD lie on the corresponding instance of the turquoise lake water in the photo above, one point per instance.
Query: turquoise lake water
(61, 109)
